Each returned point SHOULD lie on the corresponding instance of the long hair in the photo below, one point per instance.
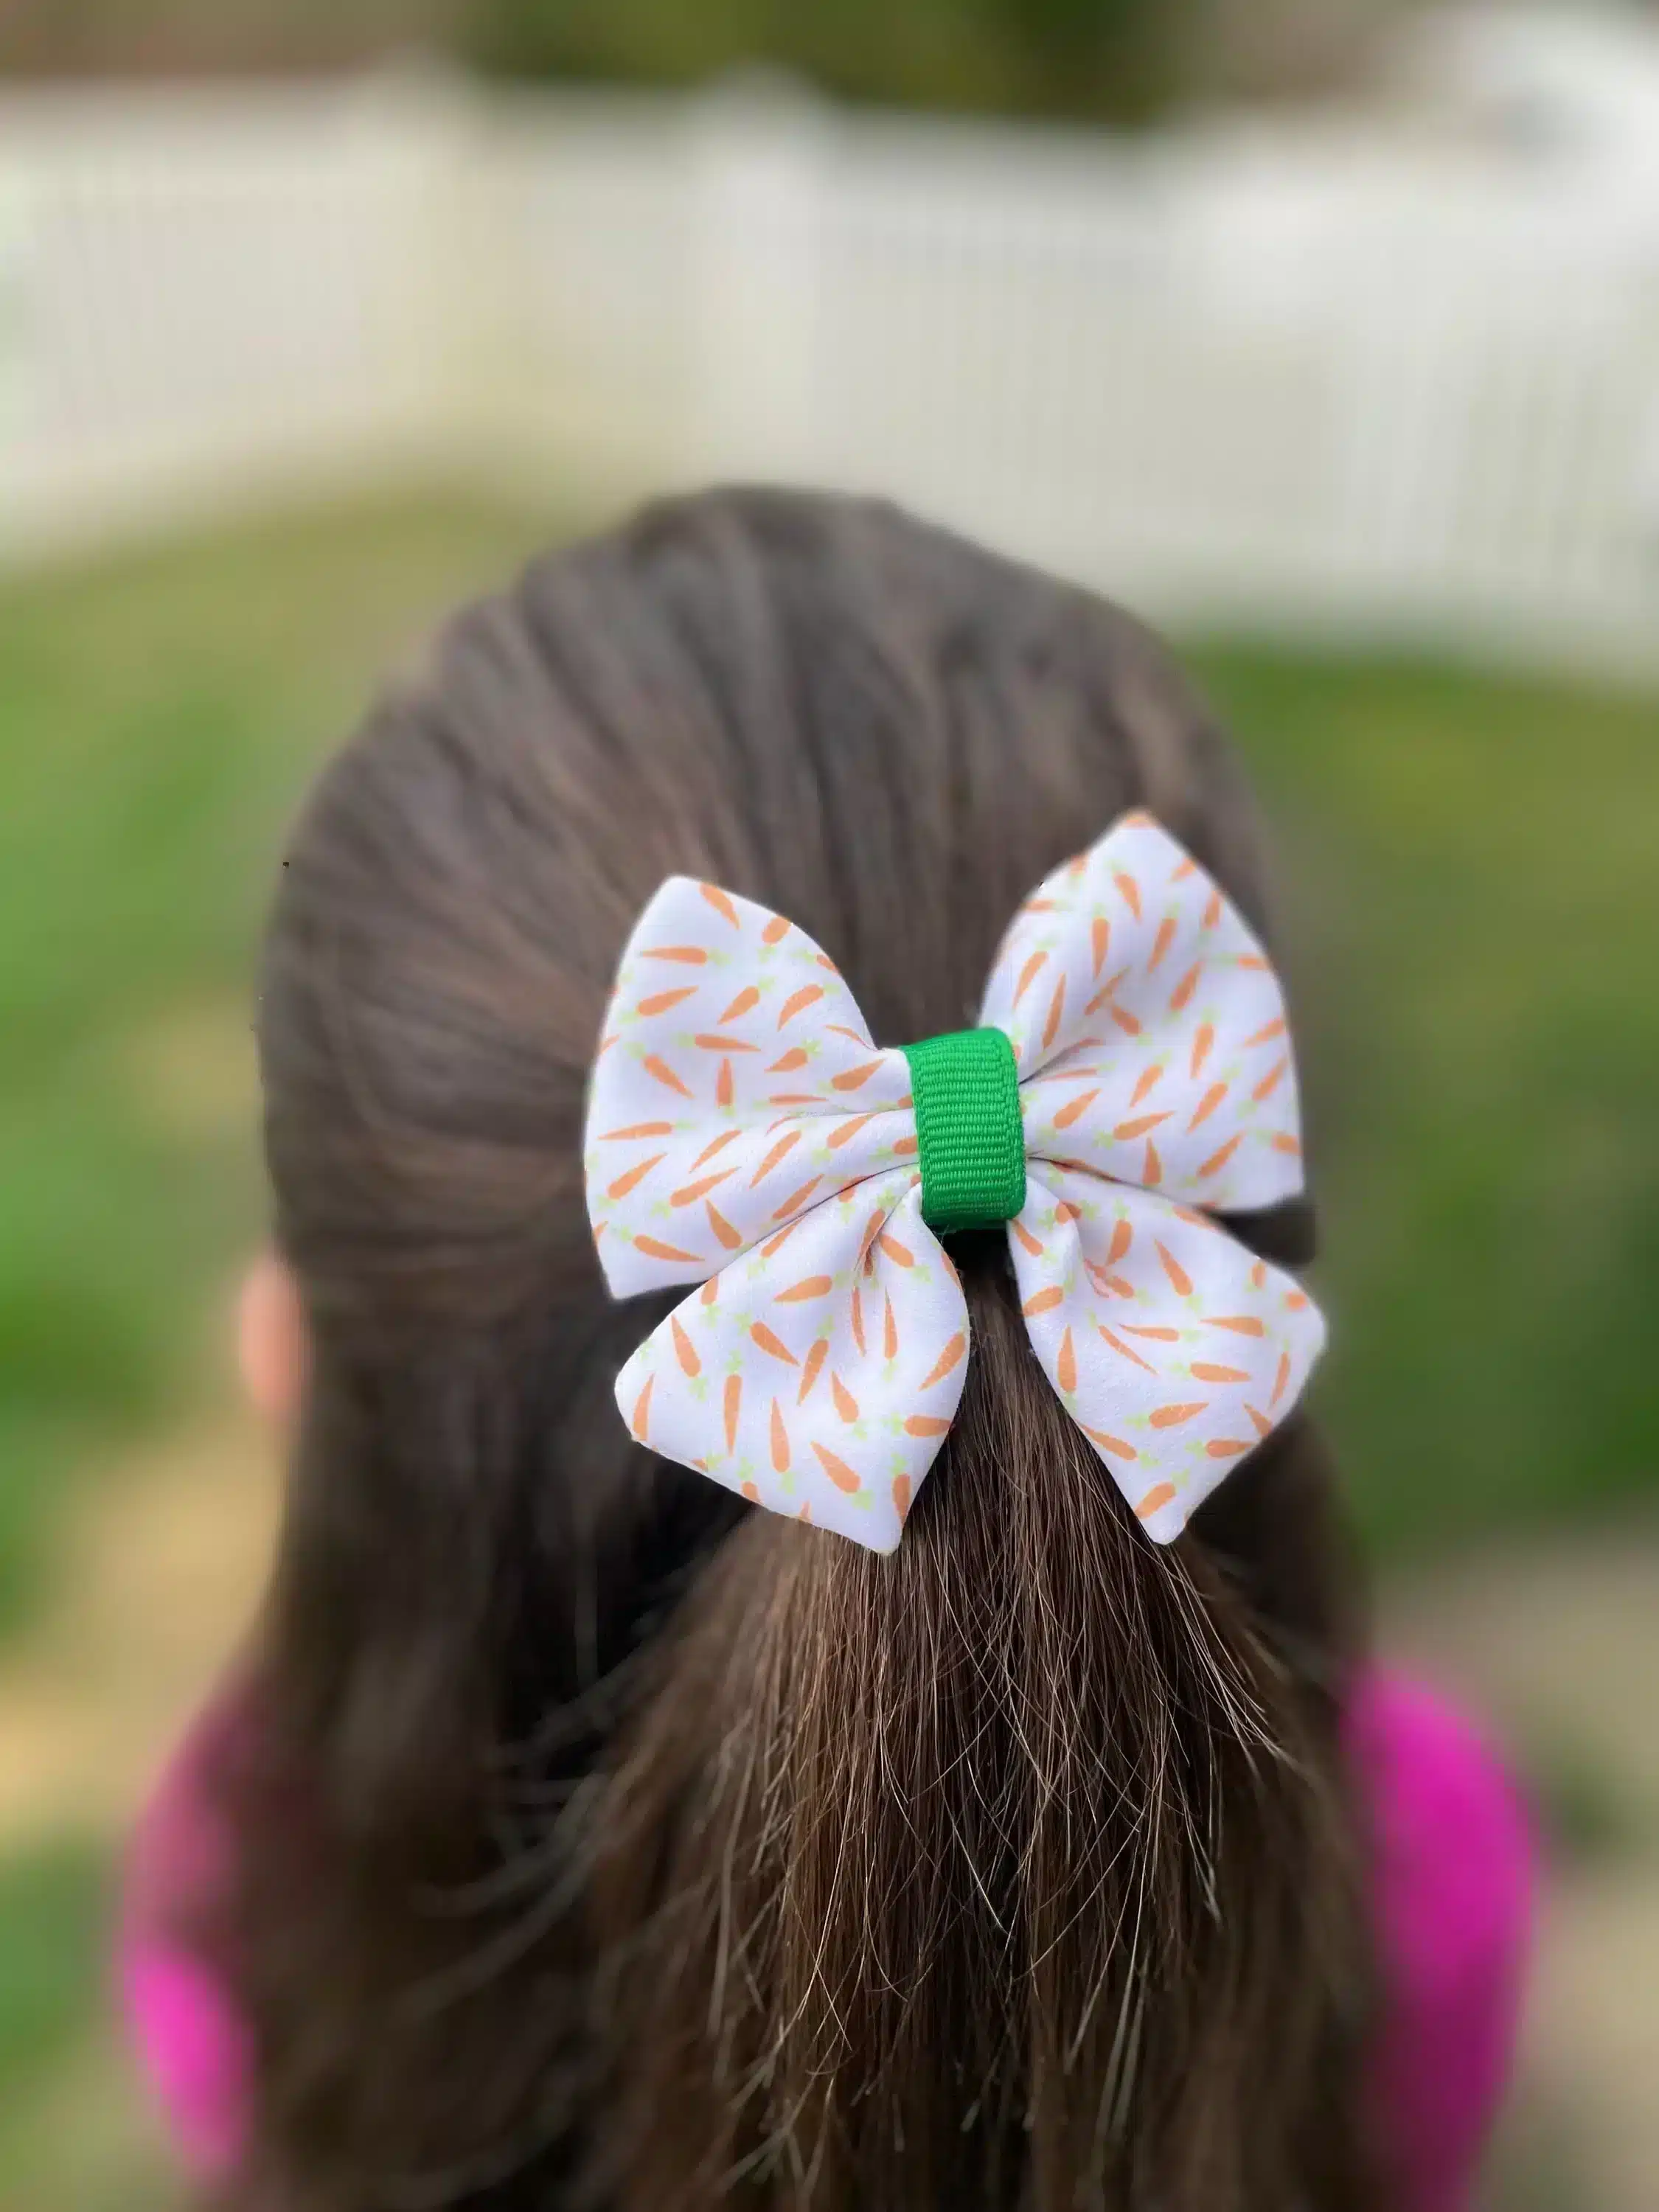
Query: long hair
(598, 1841)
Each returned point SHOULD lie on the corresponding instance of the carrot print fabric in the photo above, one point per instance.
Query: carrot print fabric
(745, 1134)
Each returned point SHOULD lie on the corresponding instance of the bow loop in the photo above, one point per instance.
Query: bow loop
(1149, 1028)
(736, 1082)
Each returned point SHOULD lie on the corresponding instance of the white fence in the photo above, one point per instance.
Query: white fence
(1272, 382)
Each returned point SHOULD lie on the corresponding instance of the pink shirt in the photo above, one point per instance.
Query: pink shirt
(1455, 1876)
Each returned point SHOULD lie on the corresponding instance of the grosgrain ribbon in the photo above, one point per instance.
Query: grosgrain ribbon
(1132, 1077)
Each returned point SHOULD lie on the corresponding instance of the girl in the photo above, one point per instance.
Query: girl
(575, 1833)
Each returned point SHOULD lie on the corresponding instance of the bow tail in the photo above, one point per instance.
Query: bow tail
(817, 1374)
(1174, 1349)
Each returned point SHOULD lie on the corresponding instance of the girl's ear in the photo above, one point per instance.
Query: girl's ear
(270, 1339)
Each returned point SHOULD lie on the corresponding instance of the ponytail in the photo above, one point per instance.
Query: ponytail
(1014, 1869)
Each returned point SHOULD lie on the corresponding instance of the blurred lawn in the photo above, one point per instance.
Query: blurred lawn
(1474, 901)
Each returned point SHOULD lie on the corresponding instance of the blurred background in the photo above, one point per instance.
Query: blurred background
(1325, 333)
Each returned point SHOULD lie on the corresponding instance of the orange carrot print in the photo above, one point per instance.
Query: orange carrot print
(642, 1420)
(1260, 1422)
(1281, 1379)
(711, 1290)
(1183, 990)
(660, 1069)
(1201, 1045)
(1241, 1324)
(1212, 911)
(721, 904)
(1271, 1081)
(724, 1089)
(1218, 1160)
(1125, 1132)
(845, 1131)
(1224, 1446)
(925, 1424)
(1027, 975)
(1163, 941)
(660, 1001)
(1180, 1281)
(855, 1079)
(653, 1249)
(1155, 1331)
(751, 1493)
(726, 1137)
(1259, 1276)
(901, 1253)
(640, 1129)
(634, 1176)
(949, 1359)
(731, 1406)
(1266, 1036)
(779, 1441)
(1127, 1351)
(1157, 1497)
(1148, 1081)
(1206, 1372)
(1151, 1173)
(1065, 1364)
(857, 1323)
(1131, 891)
(813, 1368)
(797, 1056)
(902, 1495)
(890, 1341)
(779, 1150)
(799, 1001)
(1206, 1105)
(685, 1350)
(810, 1286)
(1116, 1445)
(712, 1041)
(1171, 1417)
(1029, 1242)
(772, 1343)
(846, 1404)
(693, 1191)
(1043, 1301)
(775, 931)
(837, 1470)
(745, 1002)
(796, 1199)
(1075, 1108)
(1100, 935)
(1056, 1010)
(1123, 1237)
(725, 1233)
(688, 956)
(1125, 1020)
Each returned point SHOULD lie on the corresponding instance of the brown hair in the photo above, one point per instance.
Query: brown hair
(599, 1840)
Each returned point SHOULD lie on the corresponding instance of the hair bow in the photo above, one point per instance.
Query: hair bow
(1132, 1076)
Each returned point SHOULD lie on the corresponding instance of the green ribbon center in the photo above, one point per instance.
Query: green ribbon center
(969, 1134)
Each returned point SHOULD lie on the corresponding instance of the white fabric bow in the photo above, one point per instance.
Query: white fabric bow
(745, 1132)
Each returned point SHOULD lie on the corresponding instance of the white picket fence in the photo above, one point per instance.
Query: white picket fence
(1280, 382)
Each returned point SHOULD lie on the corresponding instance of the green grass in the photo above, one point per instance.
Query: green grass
(158, 718)
(1474, 915)
(1472, 902)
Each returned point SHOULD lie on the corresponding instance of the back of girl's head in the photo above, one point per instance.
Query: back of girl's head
(601, 1840)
